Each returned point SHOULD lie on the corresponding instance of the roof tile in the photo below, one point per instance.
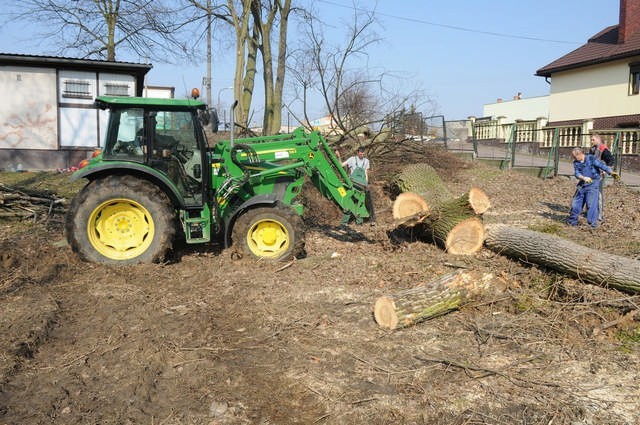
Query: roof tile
(602, 47)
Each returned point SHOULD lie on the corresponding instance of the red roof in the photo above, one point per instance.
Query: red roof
(602, 47)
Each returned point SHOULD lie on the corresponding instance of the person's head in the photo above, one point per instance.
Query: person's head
(596, 139)
(577, 154)
(360, 152)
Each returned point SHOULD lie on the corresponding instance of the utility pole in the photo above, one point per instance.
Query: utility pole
(208, 83)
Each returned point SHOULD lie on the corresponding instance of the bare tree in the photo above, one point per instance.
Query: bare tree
(239, 16)
(356, 98)
(254, 23)
(266, 15)
(100, 28)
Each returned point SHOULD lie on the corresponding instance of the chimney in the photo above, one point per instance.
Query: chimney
(629, 19)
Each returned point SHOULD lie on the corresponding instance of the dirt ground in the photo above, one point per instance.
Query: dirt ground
(207, 339)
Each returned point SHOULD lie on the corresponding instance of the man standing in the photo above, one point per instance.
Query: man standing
(600, 150)
(587, 170)
(359, 166)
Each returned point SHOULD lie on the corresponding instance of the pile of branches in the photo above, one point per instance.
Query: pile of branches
(23, 204)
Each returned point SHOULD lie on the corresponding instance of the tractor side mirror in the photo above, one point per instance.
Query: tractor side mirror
(197, 171)
(204, 117)
(215, 120)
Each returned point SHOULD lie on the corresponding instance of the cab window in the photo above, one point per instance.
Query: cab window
(125, 135)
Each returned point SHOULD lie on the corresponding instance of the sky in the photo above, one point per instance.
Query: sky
(462, 54)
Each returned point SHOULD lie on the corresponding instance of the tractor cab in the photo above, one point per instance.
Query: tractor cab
(167, 137)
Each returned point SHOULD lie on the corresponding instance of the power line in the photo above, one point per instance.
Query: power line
(451, 27)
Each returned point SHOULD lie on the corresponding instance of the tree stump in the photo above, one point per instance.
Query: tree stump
(436, 298)
(588, 265)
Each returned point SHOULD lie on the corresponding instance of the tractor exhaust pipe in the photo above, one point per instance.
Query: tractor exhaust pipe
(232, 116)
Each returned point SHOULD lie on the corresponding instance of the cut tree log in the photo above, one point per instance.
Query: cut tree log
(459, 237)
(409, 209)
(423, 180)
(586, 264)
(455, 224)
(447, 293)
(476, 199)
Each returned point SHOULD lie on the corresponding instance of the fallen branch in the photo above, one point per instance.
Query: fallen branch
(14, 203)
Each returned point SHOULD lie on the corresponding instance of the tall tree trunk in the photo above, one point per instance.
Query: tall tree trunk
(272, 119)
(267, 74)
(110, 11)
(249, 80)
(241, 26)
(285, 10)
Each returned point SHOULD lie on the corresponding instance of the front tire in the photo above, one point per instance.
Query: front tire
(121, 220)
(271, 233)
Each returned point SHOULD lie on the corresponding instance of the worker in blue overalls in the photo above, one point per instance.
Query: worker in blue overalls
(587, 170)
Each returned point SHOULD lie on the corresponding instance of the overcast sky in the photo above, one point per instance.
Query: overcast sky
(462, 53)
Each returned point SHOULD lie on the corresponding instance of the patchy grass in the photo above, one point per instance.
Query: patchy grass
(553, 228)
(629, 337)
(49, 182)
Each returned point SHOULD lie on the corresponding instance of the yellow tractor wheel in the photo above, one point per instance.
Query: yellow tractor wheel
(120, 229)
(120, 220)
(270, 233)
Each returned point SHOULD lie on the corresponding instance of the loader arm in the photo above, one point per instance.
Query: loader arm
(261, 161)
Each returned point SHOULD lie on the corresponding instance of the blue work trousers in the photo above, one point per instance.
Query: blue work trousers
(601, 199)
(586, 195)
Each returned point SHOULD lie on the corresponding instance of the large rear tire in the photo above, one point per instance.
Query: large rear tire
(272, 233)
(121, 220)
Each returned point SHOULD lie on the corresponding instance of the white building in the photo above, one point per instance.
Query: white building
(47, 117)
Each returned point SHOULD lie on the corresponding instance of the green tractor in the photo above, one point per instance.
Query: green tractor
(156, 179)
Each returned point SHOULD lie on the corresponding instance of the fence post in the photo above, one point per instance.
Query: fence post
(617, 152)
(556, 151)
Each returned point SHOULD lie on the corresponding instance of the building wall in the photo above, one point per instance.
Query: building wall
(81, 125)
(593, 92)
(158, 92)
(48, 119)
(28, 111)
(527, 109)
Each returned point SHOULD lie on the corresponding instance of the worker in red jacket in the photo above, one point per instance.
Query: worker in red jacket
(600, 151)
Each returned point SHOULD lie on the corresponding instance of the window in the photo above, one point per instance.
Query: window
(112, 89)
(125, 136)
(634, 78)
(78, 89)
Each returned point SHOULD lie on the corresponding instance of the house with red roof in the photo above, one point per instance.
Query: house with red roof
(596, 87)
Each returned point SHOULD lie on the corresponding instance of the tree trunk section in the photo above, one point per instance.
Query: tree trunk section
(436, 298)
(477, 200)
(423, 180)
(454, 226)
(409, 209)
(425, 204)
(588, 265)
(464, 238)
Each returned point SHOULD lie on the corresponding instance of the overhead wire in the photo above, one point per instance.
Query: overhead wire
(452, 27)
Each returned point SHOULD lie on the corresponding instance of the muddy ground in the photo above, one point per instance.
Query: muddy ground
(207, 339)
